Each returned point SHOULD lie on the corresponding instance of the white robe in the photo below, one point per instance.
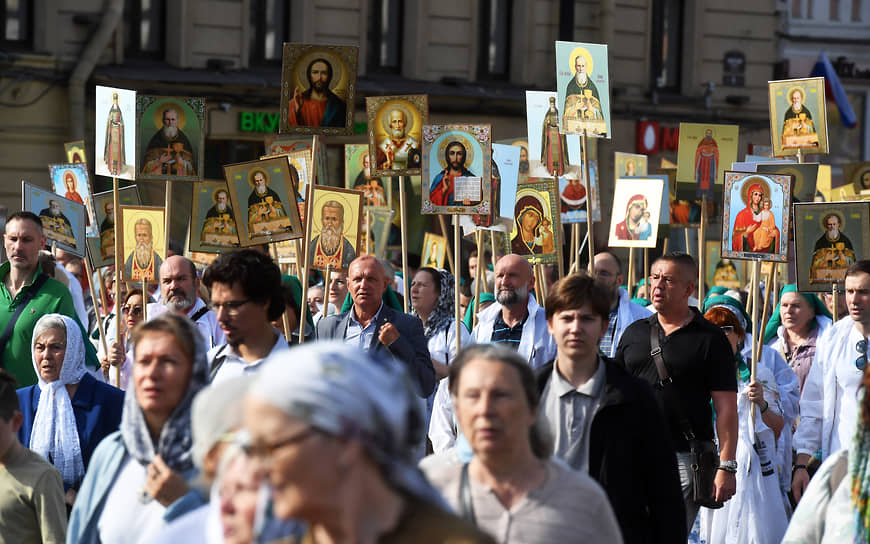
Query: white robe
(536, 346)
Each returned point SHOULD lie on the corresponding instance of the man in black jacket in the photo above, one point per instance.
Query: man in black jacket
(605, 422)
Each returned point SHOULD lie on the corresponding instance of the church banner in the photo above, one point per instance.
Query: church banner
(829, 236)
(336, 225)
(143, 242)
(318, 84)
(63, 220)
(171, 138)
(536, 233)
(212, 225)
(583, 85)
(359, 176)
(115, 134)
(103, 252)
(805, 175)
(756, 219)
(704, 153)
(457, 166)
(637, 205)
(396, 133)
(71, 181)
(798, 116)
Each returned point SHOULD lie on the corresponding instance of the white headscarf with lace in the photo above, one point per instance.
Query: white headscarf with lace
(54, 435)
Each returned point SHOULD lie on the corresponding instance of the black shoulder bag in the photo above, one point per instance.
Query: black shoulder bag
(704, 453)
(26, 297)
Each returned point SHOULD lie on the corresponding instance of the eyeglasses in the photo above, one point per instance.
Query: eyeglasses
(861, 361)
(727, 329)
(231, 306)
(135, 311)
(267, 451)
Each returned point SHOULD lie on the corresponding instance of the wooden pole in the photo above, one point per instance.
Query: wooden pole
(144, 300)
(630, 278)
(756, 272)
(119, 248)
(326, 290)
(447, 237)
(478, 274)
(168, 206)
(541, 280)
(645, 266)
(572, 251)
(702, 234)
(285, 319)
(835, 302)
(589, 196)
(458, 324)
(665, 246)
(492, 256)
(309, 210)
(404, 229)
(101, 299)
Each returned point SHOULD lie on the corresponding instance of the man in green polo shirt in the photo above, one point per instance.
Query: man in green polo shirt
(23, 240)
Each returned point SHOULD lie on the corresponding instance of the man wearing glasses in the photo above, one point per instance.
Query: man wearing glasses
(623, 312)
(829, 404)
(179, 288)
(700, 367)
(246, 297)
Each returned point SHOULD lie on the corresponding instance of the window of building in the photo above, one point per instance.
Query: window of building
(495, 42)
(856, 11)
(17, 21)
(666, 47)
(270, 28)
(384, 52)
(834, 13)
(144, 28)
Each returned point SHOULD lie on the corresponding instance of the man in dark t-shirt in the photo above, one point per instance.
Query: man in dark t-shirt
(698, 359)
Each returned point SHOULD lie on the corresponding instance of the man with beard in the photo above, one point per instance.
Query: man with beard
(107, 231)
(169, 151)
(516, 319)
(143, 263)
(524, 160)
(833, 250)
(582, 94)
(318, 106)
(53, 219)
(398, 150)
(246, 296)
(264, 204)
(330, 247)
(442, 185)
(179, 286)
(218, 219)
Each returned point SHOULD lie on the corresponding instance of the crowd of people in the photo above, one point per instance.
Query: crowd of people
(196, 413)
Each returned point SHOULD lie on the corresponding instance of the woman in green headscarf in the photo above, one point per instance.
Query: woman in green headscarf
(794, 327)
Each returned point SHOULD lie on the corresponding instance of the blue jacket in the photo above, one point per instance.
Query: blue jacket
(97, 408)
(107, 461)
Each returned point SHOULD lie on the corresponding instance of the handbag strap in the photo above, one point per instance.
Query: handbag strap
(666, 383)
(466, 508)
(26, 296)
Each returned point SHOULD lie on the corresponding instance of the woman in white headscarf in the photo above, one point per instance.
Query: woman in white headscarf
(68, 412)
(337, 434)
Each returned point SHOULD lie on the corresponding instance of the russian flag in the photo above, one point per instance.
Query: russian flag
(834, 89)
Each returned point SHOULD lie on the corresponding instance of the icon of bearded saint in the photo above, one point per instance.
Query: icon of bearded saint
(330, 247)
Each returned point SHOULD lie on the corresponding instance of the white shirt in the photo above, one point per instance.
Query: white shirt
(207, 324)
(234, 366)
(125, 519)
(536, 345)
(442, 346)
(829, 404)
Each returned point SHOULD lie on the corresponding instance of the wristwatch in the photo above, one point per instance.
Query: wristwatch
(729, 466)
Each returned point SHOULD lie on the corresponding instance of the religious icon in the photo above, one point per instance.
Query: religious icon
(318, 84)
(378, 226)
(115, 138)
(858, 175)
(434, 250)
(300, 174)
(63, 220)
(705, 151)
(798, 116)
(508, 160)
(75, 151)
(359, 176)
(720, 272)
(629, 165)
(396, 133)
(457, 165)
(213, 227)
(143, 242)
(536, 232)
(548, 150)
(263, 198)
(171, 138)
(805, 176)
(829, 237)
(583, 84)
(336, 228)
(636, 210)
(104, 208)
(71, 182)
(756, 218)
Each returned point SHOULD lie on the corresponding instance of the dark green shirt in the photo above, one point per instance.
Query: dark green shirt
(53, 297)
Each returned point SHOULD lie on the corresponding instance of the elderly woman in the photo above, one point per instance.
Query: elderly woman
(336, 435)
(69, 411)
(757, 513)
(511, 488)
(432, 300)
(138, 478)
(119, 356)
(794, 327)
